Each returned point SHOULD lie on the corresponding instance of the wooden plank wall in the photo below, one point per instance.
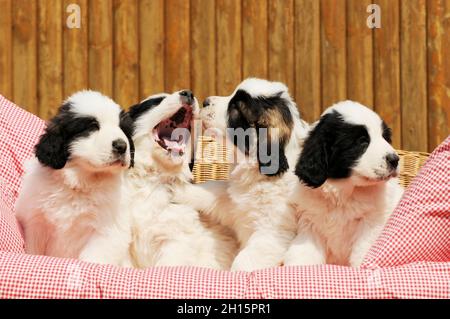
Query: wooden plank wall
(322, 49)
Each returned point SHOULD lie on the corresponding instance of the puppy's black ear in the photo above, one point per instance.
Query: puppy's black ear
(52, 149)
(127, 126)
(275, 163)
(312, 165)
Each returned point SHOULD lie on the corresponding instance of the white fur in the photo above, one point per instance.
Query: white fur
(166, 233)
(340, 220)
(73, 212)
(253, 205)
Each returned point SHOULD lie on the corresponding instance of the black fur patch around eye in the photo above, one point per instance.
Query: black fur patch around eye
(137, 110)
(257, 106)
(387, 132)
(53, 148)
(331, 150)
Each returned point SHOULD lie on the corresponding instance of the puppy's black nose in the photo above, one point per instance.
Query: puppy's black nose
(187, 97)
(392, 160)
(206, 102)
(119, 146)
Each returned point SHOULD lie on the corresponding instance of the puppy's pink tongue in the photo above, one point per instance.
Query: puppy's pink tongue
(174, 145)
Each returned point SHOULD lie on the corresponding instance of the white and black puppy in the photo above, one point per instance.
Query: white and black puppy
(69, 201)
(258, 115)
(347, 187)
(166, 233)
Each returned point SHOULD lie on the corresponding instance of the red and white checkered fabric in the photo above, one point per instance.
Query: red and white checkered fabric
(408, 234)
(19, 131)
(419, 229)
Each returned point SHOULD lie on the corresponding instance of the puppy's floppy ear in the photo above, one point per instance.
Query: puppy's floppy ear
(274, 146)
(127, 126)
(52, 149)
(312, 165)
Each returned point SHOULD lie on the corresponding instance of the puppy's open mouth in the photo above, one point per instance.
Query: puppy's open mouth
(174, 141)
(119, 162)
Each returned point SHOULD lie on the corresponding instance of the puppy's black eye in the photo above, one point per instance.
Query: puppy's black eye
(363, 140)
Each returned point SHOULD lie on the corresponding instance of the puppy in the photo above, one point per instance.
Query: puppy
(166, 233)
(261, 122)
(69, 202)
(347, 187)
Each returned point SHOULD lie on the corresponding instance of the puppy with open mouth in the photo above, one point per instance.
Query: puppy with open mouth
(69, 201)
(167, 233)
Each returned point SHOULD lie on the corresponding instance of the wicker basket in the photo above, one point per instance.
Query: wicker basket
(212, 162)
(410, 164)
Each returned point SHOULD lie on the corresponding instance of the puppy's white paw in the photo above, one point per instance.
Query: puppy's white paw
(297, 256)
(243, 262)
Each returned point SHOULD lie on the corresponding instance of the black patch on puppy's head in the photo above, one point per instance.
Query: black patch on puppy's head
(245, 111)
(127, 126)
(53, 148)
(137, 110)
(331, 150)
(387, 132)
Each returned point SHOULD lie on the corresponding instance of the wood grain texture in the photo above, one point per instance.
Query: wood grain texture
(75, 42)
(387, 68)
(333, 52)
(177, 45)
(25, 54)
(50, 66)
(255, 38)
(359, 53)
(307, 59)
(126, 53)
(438, 72)
(6, 48)
(203, 48)
(414, 75)
(322, 49)
(229, 45)
(281, 42)
(101, 46)
(151, 47)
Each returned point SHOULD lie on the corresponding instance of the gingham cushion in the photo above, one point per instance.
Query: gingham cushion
(419, 229)
(19, 131)
(25, 276)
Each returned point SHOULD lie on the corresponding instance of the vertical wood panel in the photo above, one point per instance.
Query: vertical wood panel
(177, 44)
(414, 75)
(359, 53)
(229, 45)
(6, 48)
(203, 48)
(101, 46)
(307, 58)
(255, 38)
(333, 51)
(50, 66)
(151, 47)
(126, 53)
(25, 54)
(438, 71)
(281, 42)
(75, 50)
(387, 68)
